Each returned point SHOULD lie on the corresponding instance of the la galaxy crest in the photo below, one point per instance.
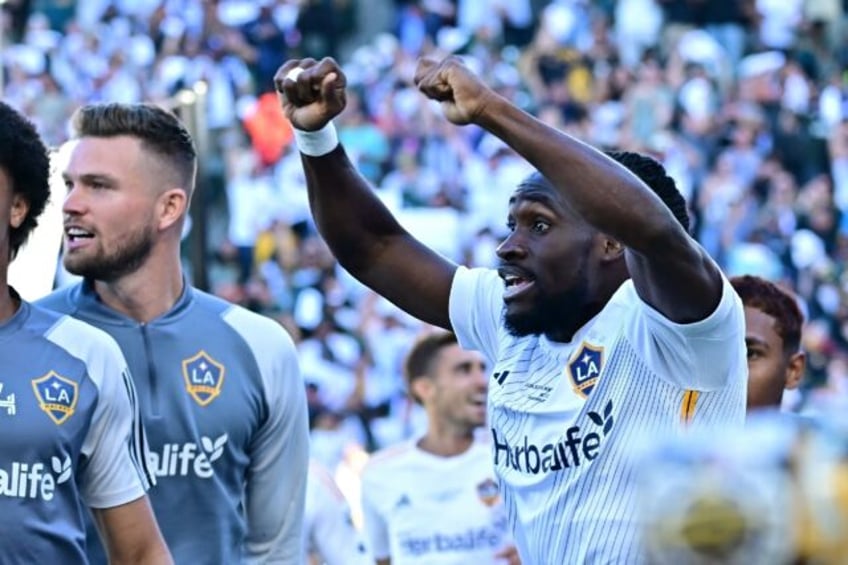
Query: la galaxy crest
(584, 369)
(57, 396)
(203, 377)
(488, 492)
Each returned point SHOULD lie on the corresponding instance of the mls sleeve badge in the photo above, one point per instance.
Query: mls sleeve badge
(584, 369)
(203, 377)
(57, 396)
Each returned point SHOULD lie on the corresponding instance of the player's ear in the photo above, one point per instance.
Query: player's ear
(18, 211)
(611, 249)
(171, 207)
(795, 370)
(421, 388)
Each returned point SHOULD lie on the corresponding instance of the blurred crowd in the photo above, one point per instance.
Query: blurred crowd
(745, 103)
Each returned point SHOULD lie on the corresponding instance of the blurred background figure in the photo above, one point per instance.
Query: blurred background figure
(434, 498)
(331, 538)
(775, 493)
(773, 324)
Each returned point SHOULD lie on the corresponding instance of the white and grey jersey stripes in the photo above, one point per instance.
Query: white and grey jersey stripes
(224, 407)
(565, 416)
(70, 436)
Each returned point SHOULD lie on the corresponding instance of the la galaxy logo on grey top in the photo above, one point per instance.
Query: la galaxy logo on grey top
(57, 396)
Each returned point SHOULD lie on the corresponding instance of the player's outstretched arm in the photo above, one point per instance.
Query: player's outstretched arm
(130, 534)
(670, 271)
(361, 232)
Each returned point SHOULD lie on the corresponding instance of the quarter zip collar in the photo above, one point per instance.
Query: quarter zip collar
(86, 298)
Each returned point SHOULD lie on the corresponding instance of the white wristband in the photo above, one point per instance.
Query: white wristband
(317, 143)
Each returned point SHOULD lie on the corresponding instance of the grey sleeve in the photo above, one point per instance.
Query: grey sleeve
(279, 453)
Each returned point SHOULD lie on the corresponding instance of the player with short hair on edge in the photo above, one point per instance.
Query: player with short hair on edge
(71, 434)
(219, 387)
(434, 499)
(605, 319)
(773, 325)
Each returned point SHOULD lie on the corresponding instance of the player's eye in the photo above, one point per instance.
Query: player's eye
(541, 226)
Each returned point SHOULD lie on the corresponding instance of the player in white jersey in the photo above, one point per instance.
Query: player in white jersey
(773, 323)
(605, 319)
(434, 499)
(331, 538)
(70, 436)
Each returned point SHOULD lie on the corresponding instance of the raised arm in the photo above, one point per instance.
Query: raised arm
(670, 271)
(361, 232)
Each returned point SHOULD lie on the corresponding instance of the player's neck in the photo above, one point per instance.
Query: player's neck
(145, 294)
(9, 304)
(446, 444)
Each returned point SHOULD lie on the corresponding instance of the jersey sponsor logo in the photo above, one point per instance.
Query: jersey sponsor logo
(181, 460)
(203, 377)
(584, 369)
(471, 540)
(488, 492)
(500, 377)
(8, 403)
(34, 480)
(57, 396)
(579, 445)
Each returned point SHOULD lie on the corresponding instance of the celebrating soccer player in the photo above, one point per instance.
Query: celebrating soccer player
(605, 319)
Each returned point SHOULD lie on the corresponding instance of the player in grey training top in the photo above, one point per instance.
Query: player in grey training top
(70, 433)
(219, 386)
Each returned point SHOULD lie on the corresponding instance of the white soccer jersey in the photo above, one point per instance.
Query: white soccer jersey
(564, 416)
(422, 509)
(328, 527)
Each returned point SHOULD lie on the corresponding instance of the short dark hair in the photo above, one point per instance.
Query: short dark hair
(159, 131)
(770, 299)
(652, 173)
(25, 159)
(649, 171)
(419, 361)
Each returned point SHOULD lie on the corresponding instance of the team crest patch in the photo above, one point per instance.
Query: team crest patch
(488, 492)
(585, 368)
(57, 396)
(203, 377)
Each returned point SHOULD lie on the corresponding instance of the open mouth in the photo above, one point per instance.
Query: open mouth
(77, 236)
(515, 284)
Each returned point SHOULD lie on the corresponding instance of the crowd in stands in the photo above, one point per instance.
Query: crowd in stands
(744, 102)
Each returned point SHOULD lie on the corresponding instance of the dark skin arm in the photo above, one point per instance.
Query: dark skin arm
(361, 232)
(670, 271)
